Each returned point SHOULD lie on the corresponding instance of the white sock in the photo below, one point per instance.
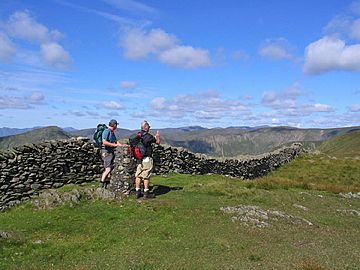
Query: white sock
(137, 189)
(146, 189)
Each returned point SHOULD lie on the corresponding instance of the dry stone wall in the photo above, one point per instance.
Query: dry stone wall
(173, 160)
(26, 170)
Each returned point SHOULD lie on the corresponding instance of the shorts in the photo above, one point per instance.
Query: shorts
(108, 159)
(145, 168)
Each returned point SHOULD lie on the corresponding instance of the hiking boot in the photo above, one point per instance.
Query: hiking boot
(138, 194)
(148, 195)
(102, 184)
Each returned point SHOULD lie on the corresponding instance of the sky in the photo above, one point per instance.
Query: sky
(180, 63)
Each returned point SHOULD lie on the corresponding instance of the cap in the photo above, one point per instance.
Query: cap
(113, 122)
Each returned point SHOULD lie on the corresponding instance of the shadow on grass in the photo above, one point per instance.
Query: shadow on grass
(160, 189)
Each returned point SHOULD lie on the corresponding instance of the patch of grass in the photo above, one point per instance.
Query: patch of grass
(346, 145)
(316, 172)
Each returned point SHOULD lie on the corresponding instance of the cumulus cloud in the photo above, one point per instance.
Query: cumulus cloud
(282, 99)
(354, 108)
(207, 115)
(276, 49)
(317, 107)
(55, 55)
(139, 44)
(36, 97)
(128, 85)
(11, 102)
(112, 105)
(22, 26)
(7, 48)
(185, 56)
(286, 104)
(201, 105)
(331, 53)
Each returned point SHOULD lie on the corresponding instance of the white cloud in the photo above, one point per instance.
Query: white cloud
(207, 115)
(202, 105)
(128, 85)
(317, 107)
(282, 100)
(354, 108)
(113, 105)
(331, 53)
(10, 102)
(22, 25)
(55, 55)
(276, 49)
(77, 113)
(355, 29)
(139, 44)
(186, 57)
(36, 97)
(158, 103)
(7, 48)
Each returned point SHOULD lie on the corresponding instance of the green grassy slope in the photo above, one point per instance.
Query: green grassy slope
(33, 136)
(347, 145)
(183, 227)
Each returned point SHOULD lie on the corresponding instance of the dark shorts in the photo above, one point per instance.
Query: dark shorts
(108, 159)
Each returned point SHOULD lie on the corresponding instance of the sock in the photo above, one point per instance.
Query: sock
(137, 189)
(146, 189)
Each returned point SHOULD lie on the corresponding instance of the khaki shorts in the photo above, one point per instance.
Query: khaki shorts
(145, 168)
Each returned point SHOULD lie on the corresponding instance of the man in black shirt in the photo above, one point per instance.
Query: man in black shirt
(144, 169)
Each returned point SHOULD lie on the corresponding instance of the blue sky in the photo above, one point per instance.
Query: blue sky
(179, 63)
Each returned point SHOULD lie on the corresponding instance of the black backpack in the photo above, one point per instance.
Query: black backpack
(137, 147)
(97, 137)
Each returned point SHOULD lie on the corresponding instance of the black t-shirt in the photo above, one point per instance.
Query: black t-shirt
(148, 139)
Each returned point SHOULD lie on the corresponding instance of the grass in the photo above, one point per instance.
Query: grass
(183, 227)
(346, 145)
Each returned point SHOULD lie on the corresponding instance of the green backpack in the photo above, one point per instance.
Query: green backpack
(97, 137)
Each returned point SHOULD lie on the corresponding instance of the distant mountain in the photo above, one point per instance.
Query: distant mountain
(68, 129)
(5, 131)
(217, 142)
(346, 145)
(33, 136)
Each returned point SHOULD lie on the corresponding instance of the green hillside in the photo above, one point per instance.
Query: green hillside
(33, 136)
(347, 145)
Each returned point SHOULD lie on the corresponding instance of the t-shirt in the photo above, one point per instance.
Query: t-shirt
(148, 139)
(109, 135)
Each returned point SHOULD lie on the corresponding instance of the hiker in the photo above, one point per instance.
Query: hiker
(108, 146)
(146, 164)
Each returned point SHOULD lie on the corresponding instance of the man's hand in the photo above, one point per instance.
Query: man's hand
(157, 137)
(120, 144)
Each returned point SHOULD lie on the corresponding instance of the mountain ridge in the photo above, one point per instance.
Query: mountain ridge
(216, 142)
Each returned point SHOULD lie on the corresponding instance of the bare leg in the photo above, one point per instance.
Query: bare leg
(146, 184)
(137, 182)
(105, 174)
